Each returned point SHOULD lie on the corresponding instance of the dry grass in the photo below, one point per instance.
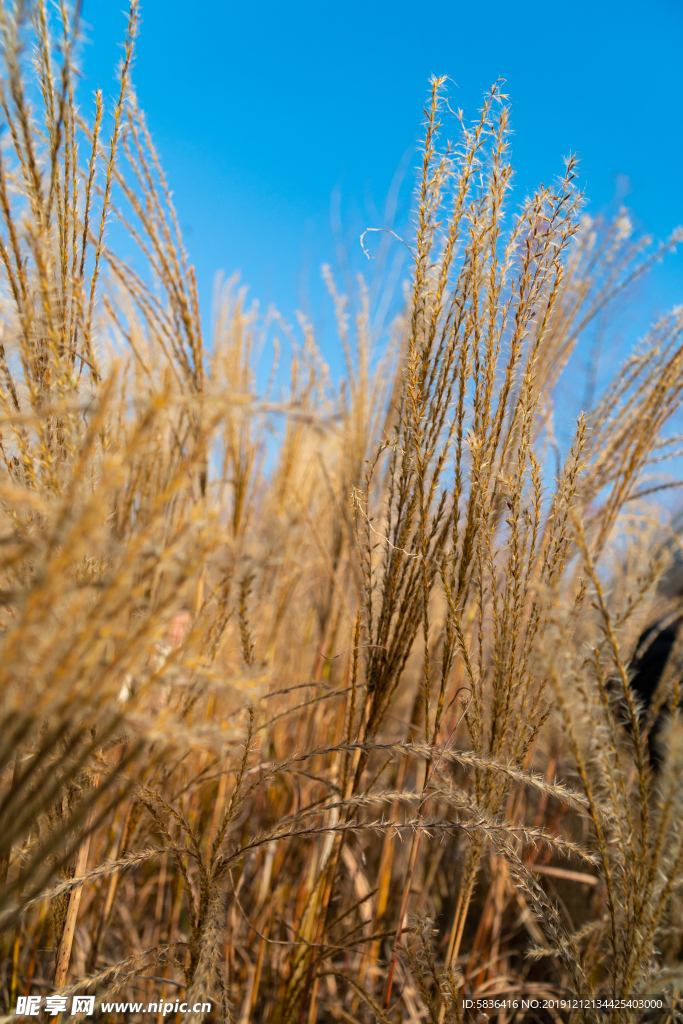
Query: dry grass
(338, 728)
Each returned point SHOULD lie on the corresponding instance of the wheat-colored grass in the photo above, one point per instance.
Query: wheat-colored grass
(336, 727)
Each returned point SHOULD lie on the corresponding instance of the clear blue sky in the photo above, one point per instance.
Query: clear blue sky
(271, 116)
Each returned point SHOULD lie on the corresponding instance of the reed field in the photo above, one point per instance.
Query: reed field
(316, 694)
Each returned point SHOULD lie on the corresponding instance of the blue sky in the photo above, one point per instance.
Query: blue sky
(282, 126)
